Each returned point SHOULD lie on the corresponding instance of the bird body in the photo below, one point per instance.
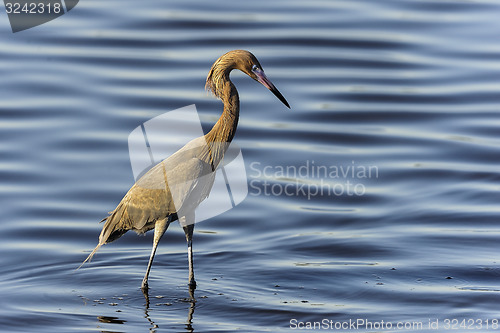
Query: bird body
(154, 196)
(173, 188)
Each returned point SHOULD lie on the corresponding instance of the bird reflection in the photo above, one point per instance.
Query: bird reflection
(110, 320)
(147, 314)
(189, 322)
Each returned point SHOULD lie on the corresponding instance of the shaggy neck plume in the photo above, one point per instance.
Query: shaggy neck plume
(221, 135)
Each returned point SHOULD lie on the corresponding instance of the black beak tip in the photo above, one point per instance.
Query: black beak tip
(265, 81)
(280, 97)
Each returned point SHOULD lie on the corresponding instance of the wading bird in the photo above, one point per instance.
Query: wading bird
(173, 188)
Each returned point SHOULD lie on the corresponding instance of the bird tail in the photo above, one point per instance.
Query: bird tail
(101, 243)
(89, 258)
(111, 230)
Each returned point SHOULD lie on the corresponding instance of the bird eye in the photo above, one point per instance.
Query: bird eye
(254, 68)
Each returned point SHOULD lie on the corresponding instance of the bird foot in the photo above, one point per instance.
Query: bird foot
(192, 284)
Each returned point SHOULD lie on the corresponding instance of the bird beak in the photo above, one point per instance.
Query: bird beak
(262, 78)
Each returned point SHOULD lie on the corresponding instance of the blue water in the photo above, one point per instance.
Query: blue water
(407, 89)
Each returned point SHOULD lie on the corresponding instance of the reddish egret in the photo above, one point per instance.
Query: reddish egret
(173, 188)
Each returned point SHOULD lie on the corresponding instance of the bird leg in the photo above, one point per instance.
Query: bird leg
(188, 230)
(160, 228)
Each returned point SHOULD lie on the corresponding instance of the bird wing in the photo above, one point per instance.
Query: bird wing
(176, 185)
(185, 175)
(189, 184)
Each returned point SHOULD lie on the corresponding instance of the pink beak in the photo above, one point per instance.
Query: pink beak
(262, 78)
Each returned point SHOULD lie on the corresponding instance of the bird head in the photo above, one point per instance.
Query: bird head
(247, 63)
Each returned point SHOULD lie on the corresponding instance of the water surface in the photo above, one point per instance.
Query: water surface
(408, 88)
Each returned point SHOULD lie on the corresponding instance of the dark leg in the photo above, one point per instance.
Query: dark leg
(188, 230)
(160, 228)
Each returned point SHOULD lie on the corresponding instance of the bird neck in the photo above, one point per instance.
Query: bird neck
(221, 135)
